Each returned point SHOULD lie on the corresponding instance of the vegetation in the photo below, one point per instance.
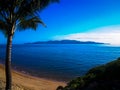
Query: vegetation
(18, 15)
(105, 77)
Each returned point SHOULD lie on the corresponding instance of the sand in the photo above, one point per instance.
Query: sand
(26, 82)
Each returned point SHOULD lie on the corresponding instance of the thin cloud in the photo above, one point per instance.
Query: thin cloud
(105, 34)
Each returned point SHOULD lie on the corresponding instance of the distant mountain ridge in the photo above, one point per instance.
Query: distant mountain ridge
(65, 42)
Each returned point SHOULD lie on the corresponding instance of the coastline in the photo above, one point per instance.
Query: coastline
(22, 80)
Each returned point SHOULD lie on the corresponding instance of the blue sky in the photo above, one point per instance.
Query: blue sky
(76, 19)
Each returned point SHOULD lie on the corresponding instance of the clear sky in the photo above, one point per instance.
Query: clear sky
(84, 20)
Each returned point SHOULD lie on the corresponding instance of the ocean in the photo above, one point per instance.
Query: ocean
(62, 62)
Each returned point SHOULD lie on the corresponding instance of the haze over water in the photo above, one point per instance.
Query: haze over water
(59, 61)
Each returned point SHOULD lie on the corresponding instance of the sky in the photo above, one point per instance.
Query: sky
(83, 20)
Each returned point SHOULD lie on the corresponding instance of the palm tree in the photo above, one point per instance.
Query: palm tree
(18, 15)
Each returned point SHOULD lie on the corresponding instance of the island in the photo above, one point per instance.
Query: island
(65, 42)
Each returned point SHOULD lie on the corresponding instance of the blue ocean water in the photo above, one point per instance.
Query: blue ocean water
(59, 61)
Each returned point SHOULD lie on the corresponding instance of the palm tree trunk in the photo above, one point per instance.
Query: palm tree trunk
(8, 63)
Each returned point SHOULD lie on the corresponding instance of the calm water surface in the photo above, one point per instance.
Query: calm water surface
(59, 61)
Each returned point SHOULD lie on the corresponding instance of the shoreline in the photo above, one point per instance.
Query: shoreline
(18, 70)
(31, 82)
(21, 71)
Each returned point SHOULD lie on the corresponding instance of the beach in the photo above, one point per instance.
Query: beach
(23, 81)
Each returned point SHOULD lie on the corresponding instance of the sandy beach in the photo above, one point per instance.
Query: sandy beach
(25, 82)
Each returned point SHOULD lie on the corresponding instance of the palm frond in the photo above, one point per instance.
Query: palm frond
(45, 3)
(4, 28)
(29, 23)
(21, 13)
(30, 7)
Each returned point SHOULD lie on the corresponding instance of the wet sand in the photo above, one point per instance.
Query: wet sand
(27, 82)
